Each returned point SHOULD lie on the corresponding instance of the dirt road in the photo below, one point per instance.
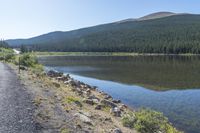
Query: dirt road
(16, 109)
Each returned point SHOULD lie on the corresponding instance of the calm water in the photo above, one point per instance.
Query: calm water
(170, 84)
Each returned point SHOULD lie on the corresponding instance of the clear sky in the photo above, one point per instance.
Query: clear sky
(28, 18)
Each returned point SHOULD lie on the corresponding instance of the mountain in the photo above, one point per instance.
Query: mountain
(162, 32)
(157, 15)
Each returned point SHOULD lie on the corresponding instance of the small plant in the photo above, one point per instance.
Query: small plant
(74, 100)
(64, 130)
(71, 99)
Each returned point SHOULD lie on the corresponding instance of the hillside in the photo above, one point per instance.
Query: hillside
(156, 33)
(157, 15)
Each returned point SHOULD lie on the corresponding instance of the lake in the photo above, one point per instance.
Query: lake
(169, 84)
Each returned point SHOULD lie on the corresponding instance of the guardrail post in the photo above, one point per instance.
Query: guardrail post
(19, 64)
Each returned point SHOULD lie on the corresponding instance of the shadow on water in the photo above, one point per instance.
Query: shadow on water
(173, 77)
(154, 72)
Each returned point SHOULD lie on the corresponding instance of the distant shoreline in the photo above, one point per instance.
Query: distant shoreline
(108, 54)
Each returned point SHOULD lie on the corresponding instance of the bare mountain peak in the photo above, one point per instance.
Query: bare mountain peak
(157, 15)
(152, 16)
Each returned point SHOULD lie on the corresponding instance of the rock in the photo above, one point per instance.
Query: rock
(116, 101)
(68, 81)
(53, 74)
(122, 107)
(96, 101)
(87, 92)
(84, 118)
(117, 130)
(108, 119)
(78, 126)
(78, 103)
(88, 101)
(98, 107)
(93, 88)
(115, 111)
(75, 83)
(78, 90)
(108, 103)
(107, 97)
(93, 97)
(86, 114)
(59, 98)
(63, 78)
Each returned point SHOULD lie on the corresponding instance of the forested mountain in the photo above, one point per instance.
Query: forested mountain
(3, 44)
(172, 33)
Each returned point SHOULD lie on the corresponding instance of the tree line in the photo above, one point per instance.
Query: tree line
(171, 35)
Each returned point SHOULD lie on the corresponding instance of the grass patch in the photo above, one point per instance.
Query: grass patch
(75, 100)
(64, 130)
(106, 108)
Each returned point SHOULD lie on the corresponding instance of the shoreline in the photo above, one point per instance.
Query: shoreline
(44, 54)
(86, 107)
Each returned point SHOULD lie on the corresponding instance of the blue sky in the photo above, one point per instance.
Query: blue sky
(28, 18)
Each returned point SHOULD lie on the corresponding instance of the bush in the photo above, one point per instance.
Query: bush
(9, 57)
(6, 54)
(28, 60)
(148, 121)
(128, 120)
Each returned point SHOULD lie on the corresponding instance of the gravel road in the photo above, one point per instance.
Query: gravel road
(16, 109)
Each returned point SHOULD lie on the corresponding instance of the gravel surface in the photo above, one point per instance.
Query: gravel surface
(16, 109)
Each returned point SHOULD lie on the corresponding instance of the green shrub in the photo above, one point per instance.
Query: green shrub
(6, 54)
(28, 60)
(148, 121)
(128, 120)
(9, 57)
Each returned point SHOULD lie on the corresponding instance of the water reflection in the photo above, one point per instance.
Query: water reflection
(154, 72)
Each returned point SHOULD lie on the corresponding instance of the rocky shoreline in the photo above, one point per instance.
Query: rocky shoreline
(84, 90)
(65, 105)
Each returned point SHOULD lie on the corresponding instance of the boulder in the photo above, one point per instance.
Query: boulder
(75, 83)
(108, 103)
(94, 99)
(88, 101)
(63, 78)
(84, 118)
(53, 74)
(107, 96)
(117, 130)
(116, 101)
(88, 92)
(115, 111)
(98, 107)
